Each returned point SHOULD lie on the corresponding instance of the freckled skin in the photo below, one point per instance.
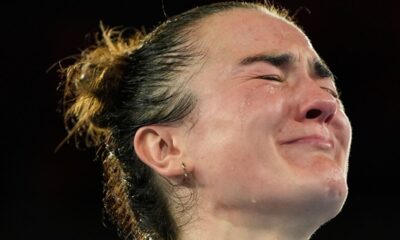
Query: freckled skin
(244, 174)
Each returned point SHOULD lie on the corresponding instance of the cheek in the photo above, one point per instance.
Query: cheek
(263, 109)
(233, 134)
(218, 150)
(243, 115)
(348, 131)
(343, 131)
(344, 135)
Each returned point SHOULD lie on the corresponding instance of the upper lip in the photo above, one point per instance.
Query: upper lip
(314, 138)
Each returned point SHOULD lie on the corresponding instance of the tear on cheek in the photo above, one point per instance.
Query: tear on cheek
(270, 90)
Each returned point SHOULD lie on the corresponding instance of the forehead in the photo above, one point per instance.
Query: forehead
(251, 31)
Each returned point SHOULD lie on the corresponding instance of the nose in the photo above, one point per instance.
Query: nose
(320, 107)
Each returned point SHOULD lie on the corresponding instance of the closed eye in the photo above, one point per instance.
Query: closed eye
(334, 93)
(271, 77)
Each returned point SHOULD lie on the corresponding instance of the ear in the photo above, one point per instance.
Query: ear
(159, 147)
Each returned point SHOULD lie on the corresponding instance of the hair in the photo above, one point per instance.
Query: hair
(123, 83)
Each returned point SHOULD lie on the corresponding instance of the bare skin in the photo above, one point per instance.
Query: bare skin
(270, 142)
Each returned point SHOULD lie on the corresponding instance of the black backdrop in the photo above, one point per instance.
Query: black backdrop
(47, 195)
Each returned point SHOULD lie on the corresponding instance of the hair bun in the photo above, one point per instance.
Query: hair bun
(92, 84)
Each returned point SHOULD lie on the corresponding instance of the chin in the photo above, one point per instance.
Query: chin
(321, 196)
(331, 199)
(331, 186)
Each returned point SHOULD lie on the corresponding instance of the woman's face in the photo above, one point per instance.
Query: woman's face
(269, 134)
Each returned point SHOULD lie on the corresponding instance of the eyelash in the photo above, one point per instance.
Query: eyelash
(279, 79)
(332, 92)
(272, 78)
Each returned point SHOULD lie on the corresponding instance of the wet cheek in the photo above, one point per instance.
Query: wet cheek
(264, 101)
(234, 126)
(271, 90)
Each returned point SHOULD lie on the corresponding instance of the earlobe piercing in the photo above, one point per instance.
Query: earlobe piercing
(185, 174)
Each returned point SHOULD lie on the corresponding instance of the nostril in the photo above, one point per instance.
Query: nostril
(313, 113)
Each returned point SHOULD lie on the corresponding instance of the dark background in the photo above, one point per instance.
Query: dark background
(47, 195)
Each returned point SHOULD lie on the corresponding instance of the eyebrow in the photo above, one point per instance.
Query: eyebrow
(318, 66)
(321, 69)
(275, 60)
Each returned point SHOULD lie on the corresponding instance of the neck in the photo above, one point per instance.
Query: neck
(234, 225)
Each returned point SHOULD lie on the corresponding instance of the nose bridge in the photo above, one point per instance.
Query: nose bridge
(313, 102)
